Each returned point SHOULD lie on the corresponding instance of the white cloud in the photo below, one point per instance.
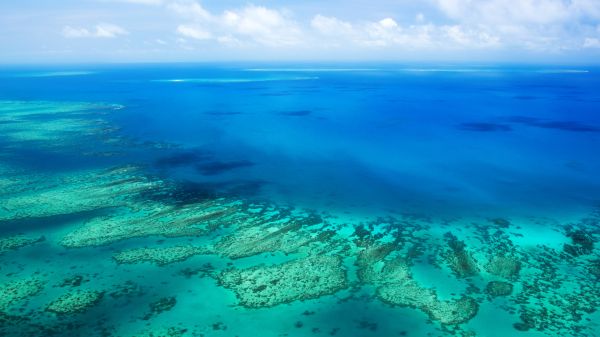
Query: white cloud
(144, 2)
(591, 42)
(71, 32)
(388, 33)
(538, 25)
(263, 25)
(103, 30)
(109, 30)
(189, 9)
(456, 34)
(388, 23)
(382, 33)
(257, 24)
(229, 40)
(331, 26)
(507, 12)
(193, 32)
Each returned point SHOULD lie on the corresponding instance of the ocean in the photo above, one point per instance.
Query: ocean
(299, 200)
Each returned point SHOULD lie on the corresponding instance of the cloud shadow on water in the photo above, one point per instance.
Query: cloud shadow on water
(299, 113)
(484, 127)
(573, 126)
(219, 167)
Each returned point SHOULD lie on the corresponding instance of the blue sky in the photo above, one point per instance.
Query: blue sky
(559, 31)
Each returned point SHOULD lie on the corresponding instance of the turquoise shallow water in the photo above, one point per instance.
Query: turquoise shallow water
(237, 200)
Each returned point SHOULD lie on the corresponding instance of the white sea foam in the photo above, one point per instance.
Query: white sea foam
(56, 74)
(563, 71)
(313, 70)
(236, 80)
(447, 70)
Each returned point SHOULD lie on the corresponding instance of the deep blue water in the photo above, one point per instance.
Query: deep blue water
(458, 140)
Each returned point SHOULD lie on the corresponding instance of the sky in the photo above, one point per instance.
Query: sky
(549, 31)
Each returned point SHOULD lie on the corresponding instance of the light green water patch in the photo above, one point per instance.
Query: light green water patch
(445, 284)
(496, 319)
(531, 232)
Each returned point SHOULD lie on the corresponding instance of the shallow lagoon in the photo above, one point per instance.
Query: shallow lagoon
(228, 200)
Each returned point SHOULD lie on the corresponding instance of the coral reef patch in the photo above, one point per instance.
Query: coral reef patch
(75, 302)
(18, 241)
(159, 256)
(18, 290)
(267, 286)
(447, 269)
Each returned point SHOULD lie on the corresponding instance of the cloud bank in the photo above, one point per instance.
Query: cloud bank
(534, 25)
(103, 30)
(334, 29)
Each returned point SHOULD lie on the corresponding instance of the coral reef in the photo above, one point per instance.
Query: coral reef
(127, 289)
(152, 219)
(498, 288)
(18, 290)
(165, 332)
(159, 306)
(552, 289)
(159, 256)
(458, 258)
(266, 286)
(410, 294)
(396, 286)
(44, 196)
(18, 241)
(73, 281)
(595, 268)
(280, 231)
(582, 243)
(75, 302)
(507, 267)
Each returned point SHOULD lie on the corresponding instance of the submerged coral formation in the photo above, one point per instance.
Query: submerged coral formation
(44, 196)
(396, 286)
(159, 256)
(159, 306)
(164, 332)
(18, 241)
(499, 288)
(410, 294)
(54, 126)
(273, 229)
(558, 293)
(18, 290)
(153, 219)
(507, 267)
(75, 302)
(265, 254)
(459, 258)
(266, 286)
